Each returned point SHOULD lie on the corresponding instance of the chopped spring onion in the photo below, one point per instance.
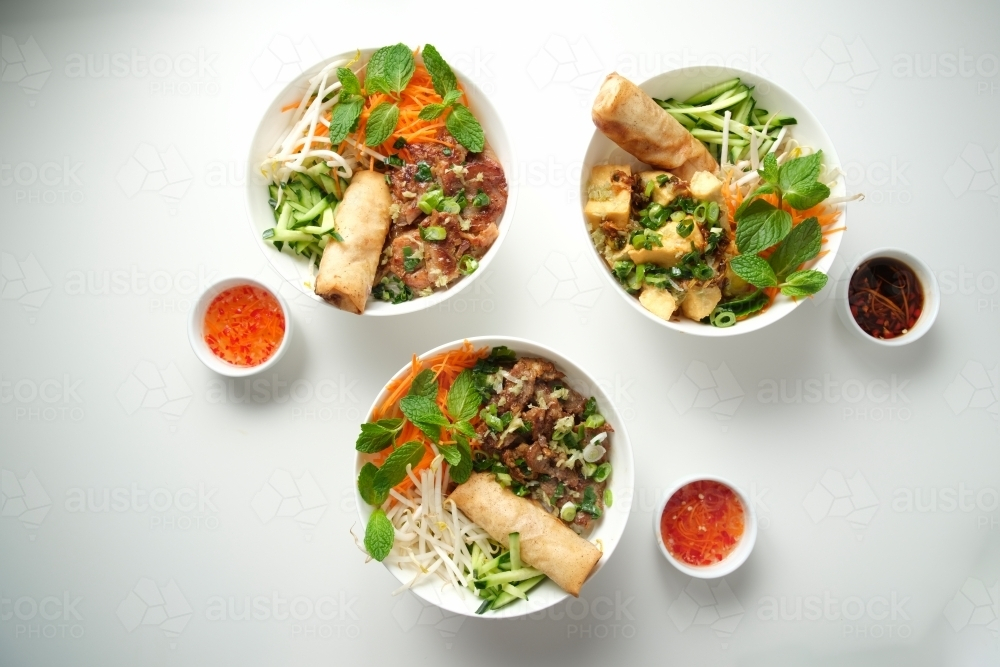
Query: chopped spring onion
(433, 233)
(568, 512)
(467, 265)
(685, 227)
(722, 318)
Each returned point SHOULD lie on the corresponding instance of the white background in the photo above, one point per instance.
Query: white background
(129, 406)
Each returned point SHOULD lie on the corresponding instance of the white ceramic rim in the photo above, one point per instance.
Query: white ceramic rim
(609, 529)
(928, 282)
(196, 323)
(260, 217)
(736, 557)
(690, 80)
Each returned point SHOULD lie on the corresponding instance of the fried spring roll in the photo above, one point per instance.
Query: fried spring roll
(546, 542)
(348, 267)
(631, 119)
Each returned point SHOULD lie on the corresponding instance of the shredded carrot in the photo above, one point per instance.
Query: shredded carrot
(702, 522)
(446, 366)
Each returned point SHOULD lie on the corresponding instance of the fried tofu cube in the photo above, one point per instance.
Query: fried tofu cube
(661, 194)
(699, 302)
(705, 186)
(673, 249)
(658, 301)
(609, 196)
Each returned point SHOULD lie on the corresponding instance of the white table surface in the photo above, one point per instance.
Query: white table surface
(102, 396)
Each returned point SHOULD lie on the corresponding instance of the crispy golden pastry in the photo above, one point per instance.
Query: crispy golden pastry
(631, 119)
(348, 267)
(547, 543)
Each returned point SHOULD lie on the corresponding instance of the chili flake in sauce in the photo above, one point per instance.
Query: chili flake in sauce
(702, 522)
(244, 325)
(886, 298)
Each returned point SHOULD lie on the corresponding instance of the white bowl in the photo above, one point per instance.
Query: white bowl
(608, 530)
(736, 557)
(196, 329)
(295, 269)
(932, 297)
(683, 83)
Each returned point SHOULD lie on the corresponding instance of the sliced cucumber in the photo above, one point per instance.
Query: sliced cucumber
(712, 92)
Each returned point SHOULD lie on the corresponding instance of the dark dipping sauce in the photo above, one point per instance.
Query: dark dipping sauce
(886, 297)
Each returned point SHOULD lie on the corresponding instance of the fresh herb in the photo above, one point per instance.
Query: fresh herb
(423, 173)
(423, 412)
(366, 485)
(389, 70)
(761, 225)
(442, 78)
(481, 462)
(349, 84)
(754, 270)
(381, 123)
(589, 407)
(622, 268)
(346, 115)
(376, 436)
(431, 111)
(392, 289)
(411, 259)
(379, 535)
(424, 384)
(399, 143)
(801, 245)
(393, 470)
(465, 128)
(803, 283)
(501, 354)
(451, 454)
(589, 504)
(463, 399)
(394, 161)
(460, 471)
(798, 182)
(433, 233)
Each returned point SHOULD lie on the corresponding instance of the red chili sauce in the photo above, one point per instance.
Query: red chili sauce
(702, 523)
(244, 325)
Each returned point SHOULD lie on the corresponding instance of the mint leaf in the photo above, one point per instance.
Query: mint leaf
(376, 436)
(451, 97)
(451, 454)
(465, 128)
(375, 76)
(460, 471)
(345, 118)
(769, 169)
(801, 245)
(463, 399)
(393, 470)
(366, 485)
(441, 75)
(349, 84)
(765, 189)
(804, 283)
(754, 270)
(466, 429)
(424, 413)
(379, 535)
(431, 111)
(797, 180)
(425, 384)
(399, 66)
(761, 226)
(381, 123)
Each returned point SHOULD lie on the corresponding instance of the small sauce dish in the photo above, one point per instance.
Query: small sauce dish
(255, 320)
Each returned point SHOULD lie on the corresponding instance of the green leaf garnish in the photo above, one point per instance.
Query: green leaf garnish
(379, 535)
(797, 180)
(801, 245)
(451, 454)
(803, 283)
(393, 470)
(431, 111)
(761, 226)
(424, 413)
(463, 398)
(376, 436)
(424, 384)
(381, 123)
(765, 189)
(451, 97)
(464, 427)
(346, 115)
(754, 270)
(366, 485)
(442, 77)
(349, 84)
(399, 67)
(465, 128)
(460, 471)
(769, 169)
